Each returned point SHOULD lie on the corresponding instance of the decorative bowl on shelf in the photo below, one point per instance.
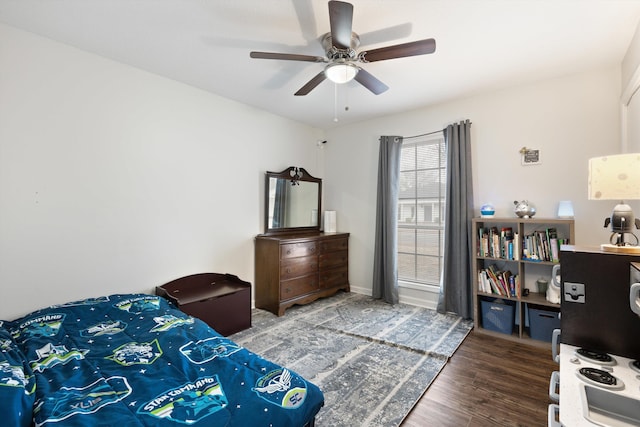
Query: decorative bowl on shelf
(524, 209)
(487, 210)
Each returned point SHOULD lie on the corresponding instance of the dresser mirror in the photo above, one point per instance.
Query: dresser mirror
(292, 201)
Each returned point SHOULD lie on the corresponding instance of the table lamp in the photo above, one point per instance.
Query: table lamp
(617, 177)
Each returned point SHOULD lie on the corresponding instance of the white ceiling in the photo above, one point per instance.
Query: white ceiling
(482, 45)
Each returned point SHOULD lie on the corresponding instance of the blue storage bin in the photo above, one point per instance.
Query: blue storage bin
(498, 315)
(542, 323)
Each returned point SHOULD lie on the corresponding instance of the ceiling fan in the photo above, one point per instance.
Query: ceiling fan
(341, 58)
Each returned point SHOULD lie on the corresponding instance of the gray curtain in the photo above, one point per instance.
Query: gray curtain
(280, 203)
(385, 263)
(456, 294)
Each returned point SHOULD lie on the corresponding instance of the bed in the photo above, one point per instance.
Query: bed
(136, 360)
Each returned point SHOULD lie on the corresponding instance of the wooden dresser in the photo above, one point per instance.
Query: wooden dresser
(299, 268)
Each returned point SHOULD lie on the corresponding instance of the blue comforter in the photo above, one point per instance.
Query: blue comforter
(136, 360)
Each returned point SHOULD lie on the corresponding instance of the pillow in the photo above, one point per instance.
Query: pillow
(17, 383)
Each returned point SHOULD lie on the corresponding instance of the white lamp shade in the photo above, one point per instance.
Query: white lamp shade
(565, 209)
(329, 221)
(615, 177)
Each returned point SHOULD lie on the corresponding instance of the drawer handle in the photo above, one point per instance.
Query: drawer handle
(288, 251)
(312, 249)
(287, 290)
(288, 270)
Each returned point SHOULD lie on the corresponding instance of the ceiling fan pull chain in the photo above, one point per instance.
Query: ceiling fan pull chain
(335, 102)
(346, 98)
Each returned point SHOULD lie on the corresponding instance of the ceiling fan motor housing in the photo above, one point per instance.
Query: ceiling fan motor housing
(334, 53)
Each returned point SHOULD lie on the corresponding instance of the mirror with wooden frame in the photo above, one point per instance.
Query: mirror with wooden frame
(292, 201)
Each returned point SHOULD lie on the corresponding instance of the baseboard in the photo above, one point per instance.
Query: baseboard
(354, 289)
(360, 290)
(420, 302)
(426, 299)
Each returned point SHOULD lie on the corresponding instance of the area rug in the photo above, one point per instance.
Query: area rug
(372, 360)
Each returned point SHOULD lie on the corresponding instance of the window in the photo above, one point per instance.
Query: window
(421, 204)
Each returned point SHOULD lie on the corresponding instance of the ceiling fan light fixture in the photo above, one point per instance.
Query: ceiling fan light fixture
(341, 72)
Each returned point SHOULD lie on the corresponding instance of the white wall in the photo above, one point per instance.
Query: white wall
(569, 119)
(630, 105)
(116, 180)
(630, 100)
(631, 59)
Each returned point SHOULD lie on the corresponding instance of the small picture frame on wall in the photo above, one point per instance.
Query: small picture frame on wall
(530, 156)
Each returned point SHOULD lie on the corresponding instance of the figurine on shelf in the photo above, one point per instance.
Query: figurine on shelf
(487, 210)
(524, 209)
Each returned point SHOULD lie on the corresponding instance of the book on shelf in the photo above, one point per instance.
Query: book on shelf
(487, 284)
(494, 243)
(512, 285)
(496, 288)
(554, 248)
(543, 245)
(483, 282)
(483, 242)
(504, 282)
(506, 240)
(494, 281)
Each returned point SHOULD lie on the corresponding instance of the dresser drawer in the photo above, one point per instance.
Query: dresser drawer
(334, 259)
(300, 286)
(330, 245)
(332, 278)
(293, 250)
(295, 267)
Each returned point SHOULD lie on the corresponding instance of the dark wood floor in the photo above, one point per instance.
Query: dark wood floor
(488, 382)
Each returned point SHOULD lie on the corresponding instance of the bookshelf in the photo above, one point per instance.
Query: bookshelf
(523, 251)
